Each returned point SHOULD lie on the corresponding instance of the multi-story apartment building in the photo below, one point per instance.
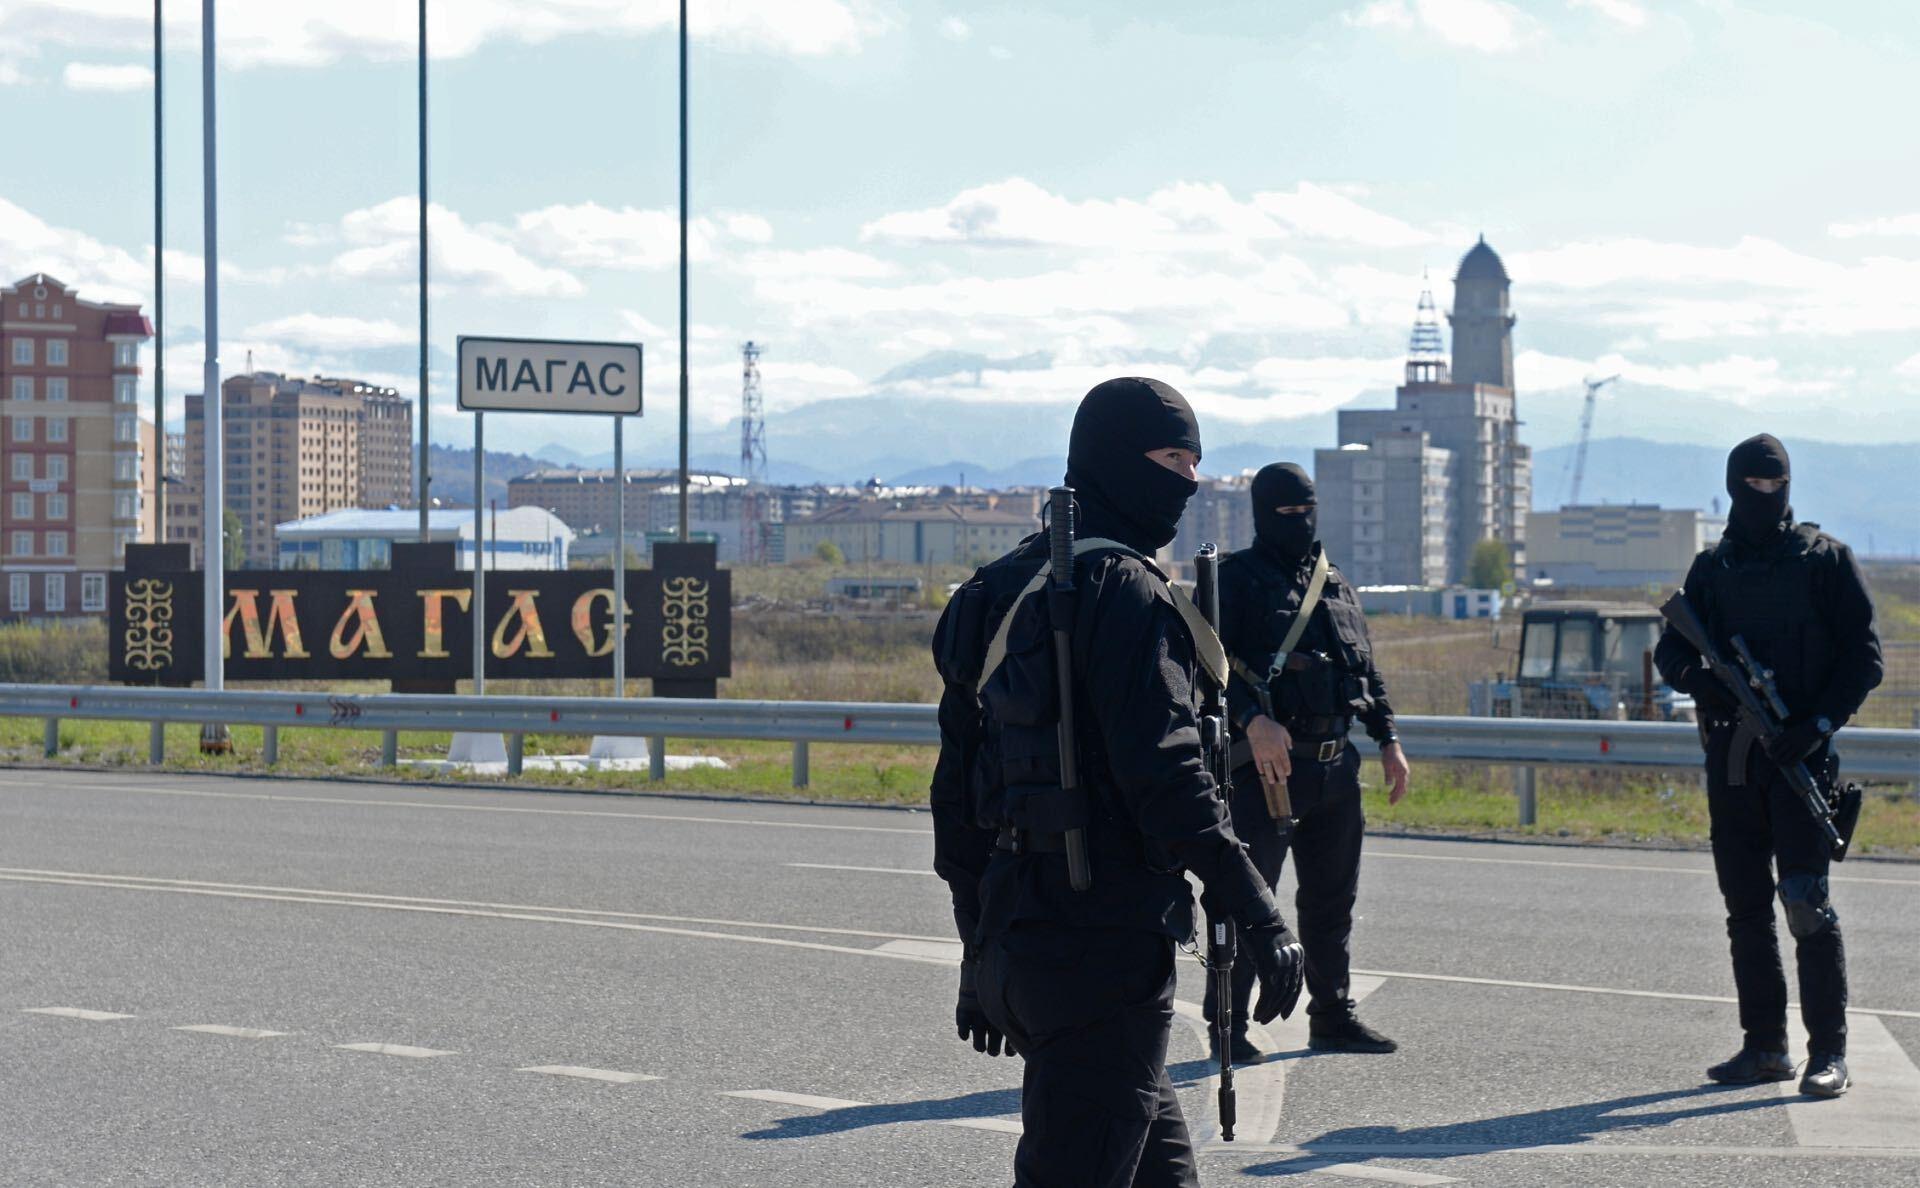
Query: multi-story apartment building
(1383, 509)
(76, 459)
(295, 448)
(584, 498)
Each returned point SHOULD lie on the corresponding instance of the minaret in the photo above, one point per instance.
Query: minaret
(1426, 351)
(1482, 320)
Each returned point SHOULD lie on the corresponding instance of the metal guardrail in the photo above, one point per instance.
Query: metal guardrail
(1524, 743)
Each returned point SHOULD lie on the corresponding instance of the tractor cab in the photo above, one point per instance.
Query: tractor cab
(1589, 660)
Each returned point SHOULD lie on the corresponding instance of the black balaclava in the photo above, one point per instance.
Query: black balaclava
(1288, 538)
(1123, 494)
(1755, 516)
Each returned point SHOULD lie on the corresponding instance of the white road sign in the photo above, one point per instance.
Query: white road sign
(547, 376)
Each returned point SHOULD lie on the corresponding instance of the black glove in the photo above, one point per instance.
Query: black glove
(1282, 965)
(969, 1019)
(1797, 742)
(1709, 695)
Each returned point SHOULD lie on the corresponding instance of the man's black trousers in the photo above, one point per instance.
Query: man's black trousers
(1757, 828)
(1326, 852)
(1091, 1011)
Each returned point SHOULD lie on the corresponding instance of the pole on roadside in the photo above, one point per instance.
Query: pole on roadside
(426, 474)
(619, 557)
(479, 616)
(684, 535)
(214, 496)
(159, 460)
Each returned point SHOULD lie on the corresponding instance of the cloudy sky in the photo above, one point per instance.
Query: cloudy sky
(1720, 201)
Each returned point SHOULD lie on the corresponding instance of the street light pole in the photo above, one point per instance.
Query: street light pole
(159, 459)
(214, 497)
(426, 472)
(684, 535)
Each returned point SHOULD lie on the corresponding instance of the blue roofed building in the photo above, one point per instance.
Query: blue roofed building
(516, 538)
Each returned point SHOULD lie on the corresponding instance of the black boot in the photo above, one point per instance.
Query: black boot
(1751, 1066)
(1826, 1076)
(1345, 1033)
(1242, 1048)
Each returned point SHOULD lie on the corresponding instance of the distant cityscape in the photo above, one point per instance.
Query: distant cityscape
(320, 473)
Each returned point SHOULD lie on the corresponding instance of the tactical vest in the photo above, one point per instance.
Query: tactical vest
(1329, 683)
(1770, 598)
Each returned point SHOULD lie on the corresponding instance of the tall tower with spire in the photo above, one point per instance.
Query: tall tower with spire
(1482, 320)
(1426, 353)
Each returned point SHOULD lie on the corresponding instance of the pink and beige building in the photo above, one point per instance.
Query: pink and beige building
(76, 457)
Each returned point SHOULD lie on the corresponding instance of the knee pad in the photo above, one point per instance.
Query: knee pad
(1805, 898)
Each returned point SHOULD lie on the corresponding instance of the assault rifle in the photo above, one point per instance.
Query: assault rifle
(1060, 611)
(1214, 745)
(1762, 714)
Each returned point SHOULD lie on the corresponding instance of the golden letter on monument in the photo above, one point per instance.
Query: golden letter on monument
(280, 617)
(525, 617)
(435, 621)
(366, 629)
(583, 627)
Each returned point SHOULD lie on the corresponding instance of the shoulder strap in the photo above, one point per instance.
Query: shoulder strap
(1315, 584)
(997, 649)
(1207, 647)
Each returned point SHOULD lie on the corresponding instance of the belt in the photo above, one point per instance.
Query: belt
(1321, 750)
(1023, 841)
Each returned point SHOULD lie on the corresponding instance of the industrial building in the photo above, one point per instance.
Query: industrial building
(1616, 546)
(942, 534)
(355, 538)
(76, 458)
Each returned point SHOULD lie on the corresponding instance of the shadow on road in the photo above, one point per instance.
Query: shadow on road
(1518, 1132)
(968, 1105)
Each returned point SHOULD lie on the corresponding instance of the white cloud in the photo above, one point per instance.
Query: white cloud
(1910, 367)
(1489, 26)
(1326, 214)
(1738, 378)
(334, 333)
(1908, 224)
(829, 262)
(272, 34)
(955, 29)
(99, 270)
(94, 76)
(480, 256)
(588, 235)
(1621, 12)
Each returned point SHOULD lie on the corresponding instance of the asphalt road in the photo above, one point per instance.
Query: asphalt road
(222, 981)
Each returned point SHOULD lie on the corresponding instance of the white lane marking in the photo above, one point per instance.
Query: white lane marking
(534, 917)
(406, 1050)
(75, 1013)
(1662, 994)
(945, 950)
(997, 1125)
(369, 802)
(805, 1100)
(339, 899)
(7, 872)
(611, 1076)
(1366, 1171)
(905, 870)
(1260, 1089)
(235, 1032)
(1604, 1150)
(1883, 1107)
(1625, 866)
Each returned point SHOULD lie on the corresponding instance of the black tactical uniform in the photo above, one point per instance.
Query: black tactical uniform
(1797, 597)
(1081, 982)
(1330, 682)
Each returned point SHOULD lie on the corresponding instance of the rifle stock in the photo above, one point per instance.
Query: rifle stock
(1220, 932)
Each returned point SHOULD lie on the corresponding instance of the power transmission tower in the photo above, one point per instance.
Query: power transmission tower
(753, 454)
(1586, 430)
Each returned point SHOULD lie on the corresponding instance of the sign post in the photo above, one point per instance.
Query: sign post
(541, 375)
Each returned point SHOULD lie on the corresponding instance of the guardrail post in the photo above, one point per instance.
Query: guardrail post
(657, 758)
(516, 752)
(52, 737)
(389, 748)
(270, 745)
(801, 776)
(156, 743)
(1524, 793)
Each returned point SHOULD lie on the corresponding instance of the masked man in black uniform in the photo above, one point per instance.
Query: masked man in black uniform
(1797, 597)
(1081, 982)
(1297, 777)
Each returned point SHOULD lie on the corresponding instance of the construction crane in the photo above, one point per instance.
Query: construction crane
(753, 455)
(1586, 430)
